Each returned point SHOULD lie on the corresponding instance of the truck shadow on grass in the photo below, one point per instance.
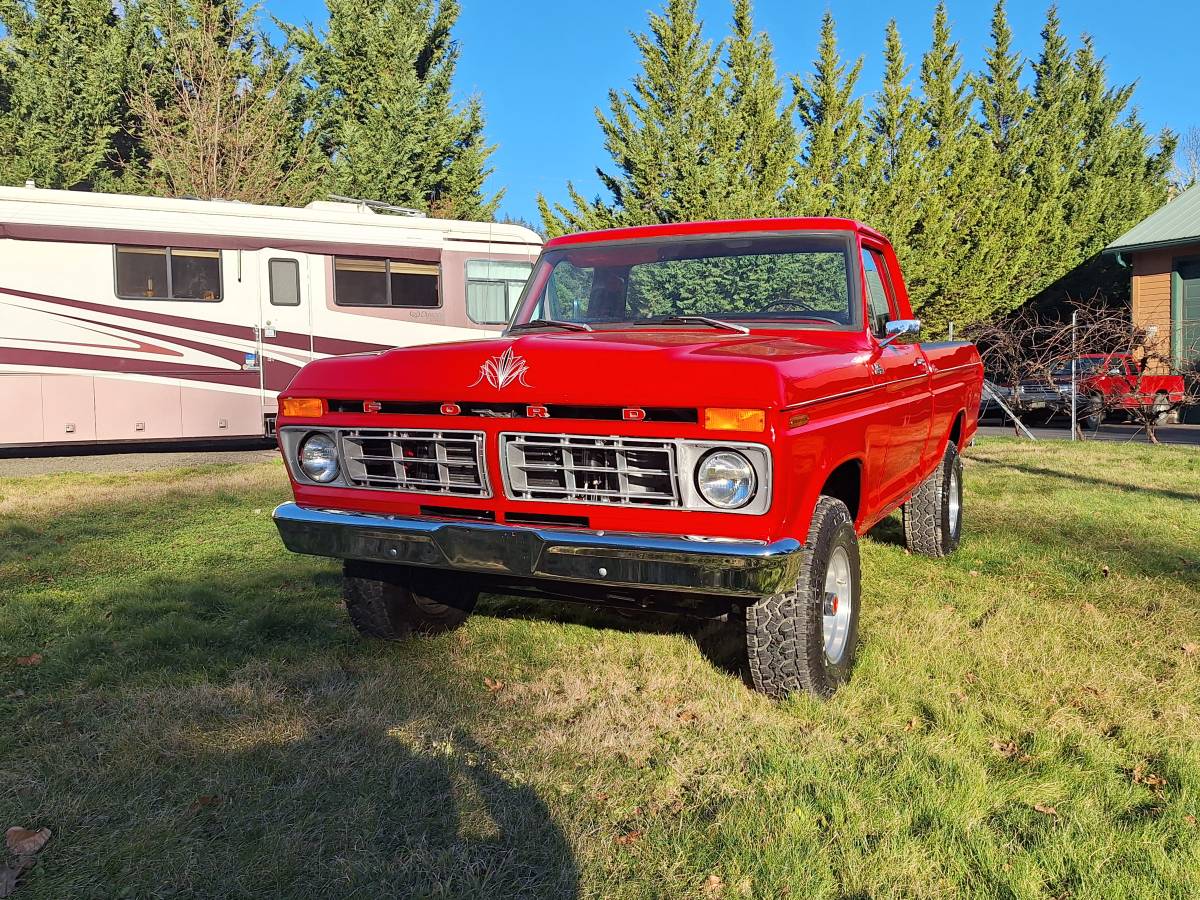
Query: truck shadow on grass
(233, 733)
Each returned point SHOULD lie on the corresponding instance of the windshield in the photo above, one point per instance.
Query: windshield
(800, 279)
(1086, 366)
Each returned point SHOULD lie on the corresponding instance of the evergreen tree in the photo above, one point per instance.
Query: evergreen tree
(897, 140)
(830, 117)
(66, 71)
(664, 136)
(702, 135)
(220, 114)
(380, 86)
(763, 145)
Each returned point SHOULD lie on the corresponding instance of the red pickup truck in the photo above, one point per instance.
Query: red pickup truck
(1116, 382)
(700, 418)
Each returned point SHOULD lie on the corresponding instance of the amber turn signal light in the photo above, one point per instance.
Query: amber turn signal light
(302, 407)
(719, 419)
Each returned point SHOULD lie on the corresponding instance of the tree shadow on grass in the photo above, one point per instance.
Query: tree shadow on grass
(1077, 478)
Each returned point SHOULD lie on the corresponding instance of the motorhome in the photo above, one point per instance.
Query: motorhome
(127, 318)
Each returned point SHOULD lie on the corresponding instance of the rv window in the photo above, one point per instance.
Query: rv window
(493, 288)
(284, 277)
(384, 282)
(164, 273)
(195, 274)
(141, 272)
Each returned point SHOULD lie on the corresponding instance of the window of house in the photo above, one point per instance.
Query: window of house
(879, 311)
(168, 273)
(493, 288)
(384, 282)
(284, 277)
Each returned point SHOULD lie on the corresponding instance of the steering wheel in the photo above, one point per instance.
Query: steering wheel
(802, 307)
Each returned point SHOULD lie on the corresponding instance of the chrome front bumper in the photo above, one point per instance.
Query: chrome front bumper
(665, 562)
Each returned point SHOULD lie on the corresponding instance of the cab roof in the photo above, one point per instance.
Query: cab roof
(727, 226)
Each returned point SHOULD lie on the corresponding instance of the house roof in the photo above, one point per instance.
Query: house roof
(1176, 223)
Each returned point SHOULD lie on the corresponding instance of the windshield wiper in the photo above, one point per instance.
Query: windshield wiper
(704, 320)
(551, 323)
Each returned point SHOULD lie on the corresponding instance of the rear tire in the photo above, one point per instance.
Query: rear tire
(1093, 414)
(933, 515)
(393, 603)
(1161, 409)
(806, 639)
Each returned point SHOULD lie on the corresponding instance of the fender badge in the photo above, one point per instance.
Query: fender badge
(501, 371)
(450, 409)
(537, 412)
(372, 406)
(633, 414)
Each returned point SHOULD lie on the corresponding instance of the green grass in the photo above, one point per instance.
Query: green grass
(205, 723)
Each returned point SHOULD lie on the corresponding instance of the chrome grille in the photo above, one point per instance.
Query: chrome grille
(585, 469)
(423, 462)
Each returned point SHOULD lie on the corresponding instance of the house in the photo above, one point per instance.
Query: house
(1163, 251)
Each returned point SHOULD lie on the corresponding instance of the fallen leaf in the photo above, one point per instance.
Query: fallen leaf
(493, 684)
(1046, 810)
(1191, 820)
(1104, 572)
(973, 573)
(1007, 749)
(1141, 776)
(713, 885)
(687, 716)
(33, 659)
(205, 801)
(1190, 649)
(25, 842)
(628, 838)
(960, 696)
(913, 724)
(1089, 607)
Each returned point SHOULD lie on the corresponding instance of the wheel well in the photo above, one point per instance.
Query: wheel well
(956, 431)
(845, 483)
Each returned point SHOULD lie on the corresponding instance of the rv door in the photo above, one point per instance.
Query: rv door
(284, 320)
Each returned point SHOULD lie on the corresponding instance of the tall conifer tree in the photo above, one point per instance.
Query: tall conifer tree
(381, 79)
(831, 123)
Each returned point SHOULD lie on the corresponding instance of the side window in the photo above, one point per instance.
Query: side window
(284, 276)
(384, 282)
(493, 288)
(167, 273)
(879, 310)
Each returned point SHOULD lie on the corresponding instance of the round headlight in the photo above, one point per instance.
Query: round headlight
(318, 458)
(725, 478)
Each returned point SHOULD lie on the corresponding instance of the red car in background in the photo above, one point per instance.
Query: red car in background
(1112, 382)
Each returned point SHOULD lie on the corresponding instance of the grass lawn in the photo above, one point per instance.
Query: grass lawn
(1024, 721)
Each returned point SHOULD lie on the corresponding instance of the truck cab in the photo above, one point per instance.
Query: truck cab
(700, 418)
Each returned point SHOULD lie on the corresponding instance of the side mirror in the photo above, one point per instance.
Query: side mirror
(897, 328)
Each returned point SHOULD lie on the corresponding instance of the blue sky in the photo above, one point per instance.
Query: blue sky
(542, 66)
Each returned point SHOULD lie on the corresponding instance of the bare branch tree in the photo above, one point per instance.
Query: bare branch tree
(1186, 170)
(220, 115)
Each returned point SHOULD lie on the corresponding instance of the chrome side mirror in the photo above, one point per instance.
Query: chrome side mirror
(898, 328)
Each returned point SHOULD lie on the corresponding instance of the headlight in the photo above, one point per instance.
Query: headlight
(318, 458)
(726, 479)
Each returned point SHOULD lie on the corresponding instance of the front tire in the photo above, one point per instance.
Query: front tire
(806, 639)
(393, 603)
(933, 515)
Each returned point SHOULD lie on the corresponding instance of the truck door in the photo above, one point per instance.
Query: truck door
(284, 320)
(902, 373)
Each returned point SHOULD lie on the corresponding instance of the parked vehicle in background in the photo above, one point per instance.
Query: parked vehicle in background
(137, 318)
(697, 418)
(1116, 382)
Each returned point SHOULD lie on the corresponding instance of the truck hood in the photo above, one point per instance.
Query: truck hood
(628, 368)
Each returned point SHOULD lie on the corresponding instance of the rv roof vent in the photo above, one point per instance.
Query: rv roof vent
(340, 203)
